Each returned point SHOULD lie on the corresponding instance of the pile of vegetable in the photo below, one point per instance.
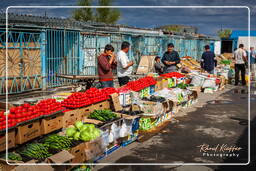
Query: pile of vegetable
(172, 75)
(182, 86)
(141, 83)
(109, 90)
(103, 115)
(225, 62)
(146, 124)
(36, 151)
(57, 142)
(84, 132)
(21, 113)
(76, 100)
(48, 106)
(14, 156)
(96, 95)
(11, 122)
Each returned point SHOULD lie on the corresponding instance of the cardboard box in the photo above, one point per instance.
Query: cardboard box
(87, 110)
(146, 65)
(176, 108)
(153, 108)
(78, 153)
(101, 105)
(61, 157)
(52, 123)
(4, 166)
(11, 140)
(164, 83)
(115, 105)
(93, 149)
(28, 132)
(70, 117)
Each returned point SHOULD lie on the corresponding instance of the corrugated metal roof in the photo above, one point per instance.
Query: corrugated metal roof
(238, 33)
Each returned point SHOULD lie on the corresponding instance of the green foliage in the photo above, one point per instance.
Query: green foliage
(83, 14)
(105, 15)
(224, 33)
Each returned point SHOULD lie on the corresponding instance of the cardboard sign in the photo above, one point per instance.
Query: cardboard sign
(146, 65)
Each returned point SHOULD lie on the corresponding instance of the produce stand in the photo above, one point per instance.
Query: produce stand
(88, 126)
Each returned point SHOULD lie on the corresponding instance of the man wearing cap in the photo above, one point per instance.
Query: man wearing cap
(170, 59)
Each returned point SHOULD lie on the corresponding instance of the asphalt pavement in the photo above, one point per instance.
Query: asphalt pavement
(212, 131)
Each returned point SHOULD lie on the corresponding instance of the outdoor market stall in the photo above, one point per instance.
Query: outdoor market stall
(84, 127)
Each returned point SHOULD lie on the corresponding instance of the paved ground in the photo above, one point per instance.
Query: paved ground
(203, 123)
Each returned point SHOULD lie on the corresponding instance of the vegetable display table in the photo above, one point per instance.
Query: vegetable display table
(87, 79)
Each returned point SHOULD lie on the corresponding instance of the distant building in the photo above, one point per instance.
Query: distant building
(228, 45)
(183, 29)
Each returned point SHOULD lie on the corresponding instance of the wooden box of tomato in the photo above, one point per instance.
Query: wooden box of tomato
(71, 116)
(28, 131)
(52, 123)
(11, 140)
(101, 105)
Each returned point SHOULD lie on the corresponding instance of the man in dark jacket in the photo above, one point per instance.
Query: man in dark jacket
(106, 62)
(170, 59)
(208, 60)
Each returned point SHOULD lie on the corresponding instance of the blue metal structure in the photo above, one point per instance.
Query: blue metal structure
(24, 61)
(39, 52)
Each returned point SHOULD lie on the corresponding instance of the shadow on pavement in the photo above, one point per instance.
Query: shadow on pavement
(242, 142)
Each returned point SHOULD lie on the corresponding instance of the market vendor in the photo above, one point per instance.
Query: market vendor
(208, 60)
(106, 63)
(170, 59)
(124, 65)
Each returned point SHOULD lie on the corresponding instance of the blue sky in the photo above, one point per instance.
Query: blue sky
(208, 20)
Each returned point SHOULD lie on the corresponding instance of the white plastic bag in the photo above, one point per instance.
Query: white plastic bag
(209, 83)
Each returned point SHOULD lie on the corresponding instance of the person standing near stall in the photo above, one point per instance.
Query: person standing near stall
(240, 60)
(106, 63)
(208, 60)
(124, 65)
(170, 59)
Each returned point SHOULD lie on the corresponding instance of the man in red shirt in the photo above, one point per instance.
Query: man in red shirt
(106, 63)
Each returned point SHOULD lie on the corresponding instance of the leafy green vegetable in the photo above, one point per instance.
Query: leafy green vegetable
(79, 125)
(70, 132)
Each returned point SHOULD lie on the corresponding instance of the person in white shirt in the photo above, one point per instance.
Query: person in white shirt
(124, 65)
(240, 60)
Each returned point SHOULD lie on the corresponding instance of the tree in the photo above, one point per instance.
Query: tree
(224, 33)
(83, 14)
(105, 15)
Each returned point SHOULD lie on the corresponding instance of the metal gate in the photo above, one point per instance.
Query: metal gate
(24, 61)
(62, 56)
(92, 46)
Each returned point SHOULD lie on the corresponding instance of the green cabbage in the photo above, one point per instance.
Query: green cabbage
(77, 136)
(70, 132)
(79, 125)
